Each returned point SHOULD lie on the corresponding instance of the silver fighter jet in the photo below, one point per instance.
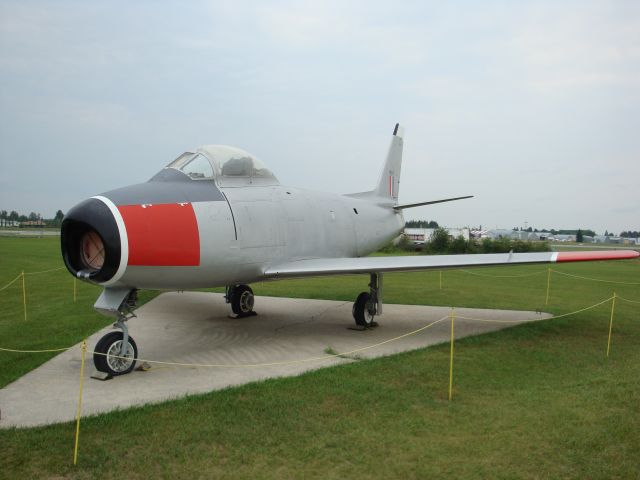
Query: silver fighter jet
(217, 216)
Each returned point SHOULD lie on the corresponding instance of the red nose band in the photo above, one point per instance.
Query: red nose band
(162, 235)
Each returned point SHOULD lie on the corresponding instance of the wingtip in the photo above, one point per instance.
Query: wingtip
(395, 130)
(597, 255)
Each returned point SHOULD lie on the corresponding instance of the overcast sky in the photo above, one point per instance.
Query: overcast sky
(533, 107)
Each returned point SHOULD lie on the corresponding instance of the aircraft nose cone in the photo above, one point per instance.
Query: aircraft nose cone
(90, 241)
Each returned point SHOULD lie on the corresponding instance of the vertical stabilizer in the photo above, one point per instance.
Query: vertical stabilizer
(389, 182)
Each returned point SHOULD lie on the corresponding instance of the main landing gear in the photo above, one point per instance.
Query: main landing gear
(369, 304)
(116, 352)
(241, 299)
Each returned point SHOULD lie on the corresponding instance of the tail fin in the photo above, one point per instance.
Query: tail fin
(388, 185)
(389, 182)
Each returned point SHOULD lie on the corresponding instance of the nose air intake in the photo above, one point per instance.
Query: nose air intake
(90, 241)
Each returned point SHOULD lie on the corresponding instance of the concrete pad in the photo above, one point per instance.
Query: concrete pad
(195, 328)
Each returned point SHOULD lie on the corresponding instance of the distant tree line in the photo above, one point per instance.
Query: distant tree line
(14, 216)
(630, 234)
(421, 224)
(443, 243)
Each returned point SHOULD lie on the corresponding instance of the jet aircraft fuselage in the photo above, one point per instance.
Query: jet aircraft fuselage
(194, 229)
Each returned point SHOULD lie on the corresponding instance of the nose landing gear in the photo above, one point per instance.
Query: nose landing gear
(116, 352)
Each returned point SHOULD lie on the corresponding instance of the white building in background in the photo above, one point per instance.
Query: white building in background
(511, 234)
(563, 238)
(9, 223)
(608, 239)
(418, 236)
(421, 235)
(500, 233)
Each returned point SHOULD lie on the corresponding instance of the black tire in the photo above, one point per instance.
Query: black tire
(361, 314)
(111, 365)
(242, 300)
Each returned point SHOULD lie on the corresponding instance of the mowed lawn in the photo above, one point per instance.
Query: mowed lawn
(534, 401)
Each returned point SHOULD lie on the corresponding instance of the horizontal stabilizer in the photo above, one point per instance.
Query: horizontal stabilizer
(411, 205)
(340, 266)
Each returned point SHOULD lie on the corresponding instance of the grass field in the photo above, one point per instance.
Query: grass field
(534, 401)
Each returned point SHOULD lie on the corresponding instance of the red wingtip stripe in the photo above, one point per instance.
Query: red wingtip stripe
(593, 256)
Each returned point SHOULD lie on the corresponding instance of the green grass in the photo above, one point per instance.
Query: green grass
(534, 401)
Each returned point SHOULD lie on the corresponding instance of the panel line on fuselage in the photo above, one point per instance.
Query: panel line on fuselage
(233, 217)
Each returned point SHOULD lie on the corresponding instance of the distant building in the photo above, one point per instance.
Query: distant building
(33, 224)
(607, 239)
(9, 223)
(501, 233)
(563, 238)
(419, 236)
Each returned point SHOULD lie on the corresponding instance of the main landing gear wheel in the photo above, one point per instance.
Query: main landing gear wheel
(364, 310)
(242, 300)
(110, 356)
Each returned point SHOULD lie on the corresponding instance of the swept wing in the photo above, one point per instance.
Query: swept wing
(338, 266)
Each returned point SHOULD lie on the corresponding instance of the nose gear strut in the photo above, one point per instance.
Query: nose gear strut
(116, 352)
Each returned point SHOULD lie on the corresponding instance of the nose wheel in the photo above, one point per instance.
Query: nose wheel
(115, 356)
(116, 352)
(241, 299)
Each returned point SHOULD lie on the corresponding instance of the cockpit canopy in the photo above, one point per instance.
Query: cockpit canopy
(228, 166)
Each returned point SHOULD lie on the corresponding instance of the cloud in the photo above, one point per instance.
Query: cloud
(582, 46)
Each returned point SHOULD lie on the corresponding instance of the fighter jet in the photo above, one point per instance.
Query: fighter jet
(217, 216)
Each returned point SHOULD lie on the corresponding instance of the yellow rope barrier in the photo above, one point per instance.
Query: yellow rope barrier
(11, 282)
(530, 319)
(12, 350)
(23, 273)
(595, 279)
(546, 301)
(288, 362)
(613, 309)
(326, 357)
(351, 352)
(627, 300)
(500, 276)
(45, 271)
(24, 297)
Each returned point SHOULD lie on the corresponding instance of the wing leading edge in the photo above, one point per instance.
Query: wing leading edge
(338, 266)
